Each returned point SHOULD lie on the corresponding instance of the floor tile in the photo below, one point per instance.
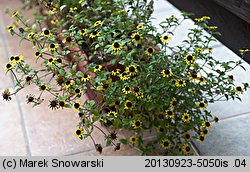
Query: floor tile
(109, 151)
(229, 138)
(12, 139)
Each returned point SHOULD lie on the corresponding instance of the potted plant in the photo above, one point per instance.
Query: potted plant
(139, 83)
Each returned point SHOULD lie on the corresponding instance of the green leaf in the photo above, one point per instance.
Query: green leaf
(124, 141)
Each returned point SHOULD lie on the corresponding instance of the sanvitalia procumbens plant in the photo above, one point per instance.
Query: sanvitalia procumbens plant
(141, 83)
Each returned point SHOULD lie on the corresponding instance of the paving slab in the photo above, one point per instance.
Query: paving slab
(229, 138)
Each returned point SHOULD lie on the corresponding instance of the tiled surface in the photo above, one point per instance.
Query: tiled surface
(229, 138)
(41, 131)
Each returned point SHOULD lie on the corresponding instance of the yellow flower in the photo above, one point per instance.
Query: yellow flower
(68, 84)
(202, 105)
(53, 47)
(83, 32)
(180, 83)
(124, 76)
(79, 133)
(94, 34)
(98, 68)
(71, 9)
(166, 73)
(139, 95)
(77, 106)
(38, 54)
(186, 148)
(14, 14)
(80, 1)
(173, 102)
(140, 27)
(126, 90)
(201, 138)
(238, 90)
(190, 59)
(97, 23)
(206, 124)
(245, 50)
(115, 72)
(116, 46)
(216, 119)
(11, 28)
(160, 129)
(16, 59)
(78, 91)
(150, 51)
(185, 117)
(131, 70)
(165, 144)
(169, 113)
(136, 37)
(112, 114)
(187, 136)
(9, 67)
(43, 87)
(50, 61)
(165, 38)
(128, 104)
(133, 139)
(137, 124)
(199, 50)
(46, 33)
(85, 78)
(52, 10)
(32, 36)
(201, 79)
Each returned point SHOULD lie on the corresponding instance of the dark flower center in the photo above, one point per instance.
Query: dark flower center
(94, 33)
(46, 32)
(77, 90)
(116, 45)
(17, 58)
(37, 53)
(165, 37)
(30, 99)
(127, 88)
(170, 113)
(132, 69)
(28, 78)
(174, 103)
(150, 50)
(205, 131)
(78, 132)
(202, 138)
(194, 75)
(53, 103)
(129, 104)
(207, 124)
(189, 58)
(59, 60)
(187, 136)
(238, 88)
(8, 66)
(133, 139)
(62, 103)
(136, 89)
(202, 105)
(12, 58)
(76, 105)
(187, 148)
(137, 123)
(180, 82)
(186, 117)
(166, 144)
(43, 87)
(50, 60)
(137, 37)
(167, 72)
(52, 46)
(161, 129)
(105, 86)
(68, 39)
(67, 83)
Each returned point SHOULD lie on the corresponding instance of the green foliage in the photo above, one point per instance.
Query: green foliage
(139, 82)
